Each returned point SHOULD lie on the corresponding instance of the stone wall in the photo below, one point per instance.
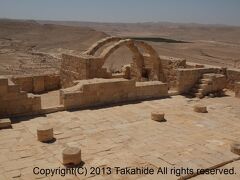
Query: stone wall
(79, 67)
(15, 102)
(95, 92)
(170, 66)
(237, 89)
(215, 83)
(233, 76)
(37, 84)
(187, 78)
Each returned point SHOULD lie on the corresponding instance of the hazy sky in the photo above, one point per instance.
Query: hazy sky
(197, 11)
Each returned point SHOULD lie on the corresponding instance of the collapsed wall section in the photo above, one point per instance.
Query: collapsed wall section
(38, 83)
(80, 67)
(14, 102)
(233, 76)
(187, 78)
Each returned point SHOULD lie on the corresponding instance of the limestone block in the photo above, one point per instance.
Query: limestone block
(26, 83)
(71, 155)
(200, 108)
(51, 82)
(3, 81)
(45, 133)
(237, 89)
(5, 123)
(38, 84)
(3, 85)
(235, 148)
(157, 116)
(3, 90)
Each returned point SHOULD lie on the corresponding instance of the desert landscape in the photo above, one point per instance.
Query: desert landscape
(95, 100)
(24, 49)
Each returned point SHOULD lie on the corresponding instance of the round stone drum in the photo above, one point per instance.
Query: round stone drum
(71, 155)
(45, 133)
(235, 148)
(200, 108)
(157, 116)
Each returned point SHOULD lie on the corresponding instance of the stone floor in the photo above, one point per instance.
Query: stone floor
(125, 136)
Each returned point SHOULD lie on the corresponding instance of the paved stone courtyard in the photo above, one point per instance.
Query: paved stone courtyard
(125, 136)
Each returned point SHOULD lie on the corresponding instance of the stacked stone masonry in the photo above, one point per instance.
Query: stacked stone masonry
(13, 101)
(209, 84)
(237, 89)
(96, 92)
(88, 66)
(187, 78)
(37, 84)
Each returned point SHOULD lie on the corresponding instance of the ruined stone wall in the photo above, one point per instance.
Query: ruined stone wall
(37, 84)
(14, 102)
(187, 78)
(237, 89)
(233, 76)
(107, 91)
(73, 68)
(216, 83)
(170, 66)
(80, 67)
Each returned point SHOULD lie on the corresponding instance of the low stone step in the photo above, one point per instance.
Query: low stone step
(194, 90)
(201, 91)
(205, 81)
(5, 123)
(201, 86)
(208, 75)
(199, 95)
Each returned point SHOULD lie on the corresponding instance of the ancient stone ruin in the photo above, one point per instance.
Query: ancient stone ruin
(157, 106)
(83, 81)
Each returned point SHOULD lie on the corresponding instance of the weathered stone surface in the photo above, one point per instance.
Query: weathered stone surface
(45, 133)
(125, 135)
(200, 108)
(71, 155)
(233, 76)
(28, 83)
(5, 123)
(157, 116)
(235, 148)
(16, 102)
(237, 89)
(108, 91)
(187, 78)
(38, 84)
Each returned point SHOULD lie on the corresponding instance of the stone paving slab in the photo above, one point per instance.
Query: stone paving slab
(126, 136)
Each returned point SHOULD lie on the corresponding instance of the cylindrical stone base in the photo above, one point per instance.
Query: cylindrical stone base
(157, 116)
(235, 148)
(71, 155)
(200, 108)
(45, 133)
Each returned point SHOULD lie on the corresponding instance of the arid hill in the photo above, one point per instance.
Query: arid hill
(35, 46)
(29, 47)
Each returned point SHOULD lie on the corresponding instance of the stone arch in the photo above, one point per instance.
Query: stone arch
(138, 67)
(157, 69)
(93, 49)
(137, 57)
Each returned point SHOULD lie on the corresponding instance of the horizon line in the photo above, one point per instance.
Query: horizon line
(109, 22)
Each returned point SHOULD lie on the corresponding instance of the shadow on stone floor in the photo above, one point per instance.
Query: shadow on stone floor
(101, 106)
(15, 120)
